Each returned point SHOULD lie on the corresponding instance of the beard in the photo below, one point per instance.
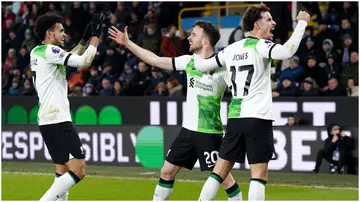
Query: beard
(195, 47)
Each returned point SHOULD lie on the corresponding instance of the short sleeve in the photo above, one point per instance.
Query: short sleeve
(56, 55)
(265, 47)
(179, 63)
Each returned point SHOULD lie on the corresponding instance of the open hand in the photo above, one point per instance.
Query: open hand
(121, 38)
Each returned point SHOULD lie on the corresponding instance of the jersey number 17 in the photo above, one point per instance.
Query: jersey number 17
(250, 70)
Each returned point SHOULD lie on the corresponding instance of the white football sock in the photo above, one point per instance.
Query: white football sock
(60, 186)
(163, 190)
(257, 190)
(234, 193)
(210, 187)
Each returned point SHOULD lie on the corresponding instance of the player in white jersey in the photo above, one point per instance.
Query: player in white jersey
(202, 131)
(249, 129)
(48, 65)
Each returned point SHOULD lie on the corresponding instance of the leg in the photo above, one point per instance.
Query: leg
(259, 176)
(64, 143)
(232, 188)
(212, 184)
(260, 149)
(60, 170)
(232, 147)
(319, 157)
(181, 154)
(165, 185)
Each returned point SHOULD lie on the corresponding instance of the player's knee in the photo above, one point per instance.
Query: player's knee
(78, 168)
(259, 172)
(167, 174)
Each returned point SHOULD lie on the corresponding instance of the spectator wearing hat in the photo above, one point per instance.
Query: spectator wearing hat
(347, 47)
(332, 68)
(352, 90)
(287, 88)
(308, 88)
(327, 48)
(314, 71)
(149, 40)
(306, 49)
(29, 41)
(334, 89)
(293, 72)
(89, 90)
(350, 70)
(324, 33)
(345, 28)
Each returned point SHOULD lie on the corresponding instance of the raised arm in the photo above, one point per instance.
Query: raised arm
(145, 55)
(282, 52)
(80, 48)
(217, 61)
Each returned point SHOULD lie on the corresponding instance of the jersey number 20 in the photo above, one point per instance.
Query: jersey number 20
(250, 70)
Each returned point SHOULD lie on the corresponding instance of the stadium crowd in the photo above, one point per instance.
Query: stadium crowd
(326, 63)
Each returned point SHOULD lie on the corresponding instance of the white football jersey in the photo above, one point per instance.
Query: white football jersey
(203, 98)
(48, 65)
(248, 64)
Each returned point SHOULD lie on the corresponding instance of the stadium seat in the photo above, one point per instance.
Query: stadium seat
(110, 115)
(85, 115)
(33, 116)
(17, 115)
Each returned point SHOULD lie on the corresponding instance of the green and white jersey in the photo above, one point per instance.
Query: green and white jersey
(203, 98)
(248, 64)
(48, 65)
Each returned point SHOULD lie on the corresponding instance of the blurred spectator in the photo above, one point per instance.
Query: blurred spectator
(315, 72)
(117, 89)
(70, 28)
(352, 90)
(114, 59)
(127, 79)
(13, 41)
(334, 89)
(337, 150)
(122, 14)
(149, 40)
(160, 90)
(291, 121)
(89, 90)
(351, 70)
(142, 78)
(106, 87)
(174, 88)
(136, 27)
(294, 72)
(156, 78)
(23, 59)
(171, 45)
(29, 89)
(29, 41)
(345, 28)
(76, 91)
(306, 50)
(183, 35)
(150, 16)
(332, 69)
(15, 87)
(324, 33)
(69, 44)
(327, 48)
(346, 49)
(138, 8)
(287, 88)
(307, 88)
(95, 78)
(10, 61)
(109, 73)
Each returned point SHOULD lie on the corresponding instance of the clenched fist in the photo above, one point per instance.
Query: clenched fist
(303, 15)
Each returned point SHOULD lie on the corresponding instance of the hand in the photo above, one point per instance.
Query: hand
(335, 138)
(342, 134)
(87, 34)
(275, 94)
(96, 24)
(303, 15)
(121, 38)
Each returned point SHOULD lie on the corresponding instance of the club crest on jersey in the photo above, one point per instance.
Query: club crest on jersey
(55, 50)
(268, 42)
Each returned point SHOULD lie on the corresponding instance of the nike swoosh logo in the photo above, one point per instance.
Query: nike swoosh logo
(209, 166)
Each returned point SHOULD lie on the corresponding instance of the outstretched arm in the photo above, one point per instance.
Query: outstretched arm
(145, 55)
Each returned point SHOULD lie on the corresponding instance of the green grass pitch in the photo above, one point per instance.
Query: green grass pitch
(29, 181)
